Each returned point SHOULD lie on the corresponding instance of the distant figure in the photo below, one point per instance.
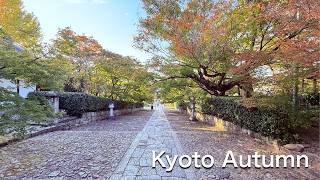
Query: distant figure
(151, 107)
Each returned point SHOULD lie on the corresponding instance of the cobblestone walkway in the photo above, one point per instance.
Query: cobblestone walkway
(92, 151)
(122, 149)
(157, 136)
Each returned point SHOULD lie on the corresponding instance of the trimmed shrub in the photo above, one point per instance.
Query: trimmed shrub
(126, 105)
(182, 105)
(75, 104)
(266, 121)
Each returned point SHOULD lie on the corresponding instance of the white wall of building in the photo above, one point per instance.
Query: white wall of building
(23, 88)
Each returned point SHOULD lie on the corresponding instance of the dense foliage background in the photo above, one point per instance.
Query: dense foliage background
(267, 52)
(69, 63)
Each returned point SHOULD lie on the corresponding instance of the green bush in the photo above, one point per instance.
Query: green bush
(42, 101)
(75, 104)
(126, 105)
(182, 105)
(263, 120)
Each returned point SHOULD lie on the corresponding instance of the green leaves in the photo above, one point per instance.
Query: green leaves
(47, 73)
(17, 112)
(122, 78)
(24, 58)
(266, 121)
(20, 25)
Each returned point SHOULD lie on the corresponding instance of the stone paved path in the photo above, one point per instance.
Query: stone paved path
(157, 136)
(122, 149)
(92, 151)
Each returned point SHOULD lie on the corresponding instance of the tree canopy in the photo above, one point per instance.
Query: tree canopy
(223, 44)
(100, 72)
(70, 62)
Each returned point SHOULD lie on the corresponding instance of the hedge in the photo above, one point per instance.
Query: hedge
(75, 104)
(266, 121)
(182, 105)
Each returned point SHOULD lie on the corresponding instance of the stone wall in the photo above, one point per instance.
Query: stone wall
(65, 123)
(94, 116)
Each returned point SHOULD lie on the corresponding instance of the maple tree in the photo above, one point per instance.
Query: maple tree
(191, 43)
(80, 51)
(100, 72)
(282, 36)
(23, 55)
(220, 45)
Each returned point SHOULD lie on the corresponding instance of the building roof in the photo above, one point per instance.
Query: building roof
(18, 47)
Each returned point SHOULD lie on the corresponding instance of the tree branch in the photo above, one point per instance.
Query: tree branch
(172, 77)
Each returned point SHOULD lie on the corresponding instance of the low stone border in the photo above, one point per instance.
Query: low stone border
(66, 123)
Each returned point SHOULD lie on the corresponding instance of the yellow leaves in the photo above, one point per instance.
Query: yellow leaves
(21, 26)
(77, 46)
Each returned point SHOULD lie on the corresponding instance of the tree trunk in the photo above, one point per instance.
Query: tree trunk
(193, 109)
(302, 86)
(295, 88)
(18, 86)
(295, 98)
(315, 88)
(246, 90)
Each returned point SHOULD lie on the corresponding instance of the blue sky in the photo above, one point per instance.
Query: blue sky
(112, 22)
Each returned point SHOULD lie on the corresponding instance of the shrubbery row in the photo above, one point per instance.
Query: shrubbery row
(182, 105)
(75, 104)
(266, 121)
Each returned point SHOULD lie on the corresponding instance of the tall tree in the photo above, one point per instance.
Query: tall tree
(122, 78)
(224, 44)
(21, 59)
(81, 51)
(21, 26)
(23, 56)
